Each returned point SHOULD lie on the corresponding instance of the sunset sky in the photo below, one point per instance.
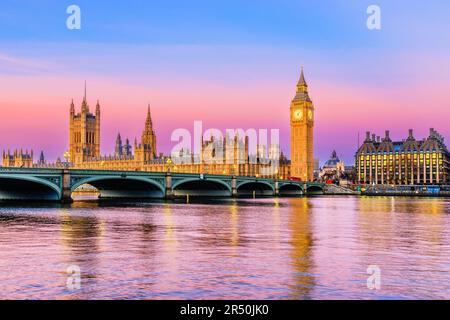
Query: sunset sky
(231, 64)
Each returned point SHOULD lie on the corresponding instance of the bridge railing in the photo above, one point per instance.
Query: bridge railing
(30, 170)
(74, 171)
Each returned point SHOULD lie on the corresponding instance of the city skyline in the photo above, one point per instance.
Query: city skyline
(224, 158)
(165, 146)
(239, 76)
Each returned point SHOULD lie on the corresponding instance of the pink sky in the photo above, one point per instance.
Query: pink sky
(35, 117)
(230, 64)
(409, 91)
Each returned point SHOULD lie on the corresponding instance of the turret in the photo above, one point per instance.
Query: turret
(42, 158)
(97, 108)
(72, 108)
(410, 135)
(149, 138)
(119, 146)
(127, 148)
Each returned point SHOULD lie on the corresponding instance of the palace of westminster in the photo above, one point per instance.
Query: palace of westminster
(378, 161)
(84, 148)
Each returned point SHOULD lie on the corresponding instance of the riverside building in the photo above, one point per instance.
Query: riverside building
(406, 162)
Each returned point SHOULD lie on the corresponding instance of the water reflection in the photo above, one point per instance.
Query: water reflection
(80, 237)
(293, 248)
(170, 239)
(301, 242)
(409, 243)
(234, 223)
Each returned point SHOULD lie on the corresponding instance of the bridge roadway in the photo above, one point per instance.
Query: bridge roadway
(22, 184)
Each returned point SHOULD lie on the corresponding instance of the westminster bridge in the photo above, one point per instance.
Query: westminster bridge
(58, 185)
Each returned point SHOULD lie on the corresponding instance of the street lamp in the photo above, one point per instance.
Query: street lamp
(67, 157)
(169, 162)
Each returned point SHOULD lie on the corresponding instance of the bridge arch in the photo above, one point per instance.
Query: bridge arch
(259, 188)
(20, 187)
(314, 190)
(201, 188)
(112, 187)
(290, 190)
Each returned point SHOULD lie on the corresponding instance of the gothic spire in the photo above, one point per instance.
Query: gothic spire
(84, 105)
(119, 146)
(42, 158)
(97, 107)
(148, 122)
(302, 81)
(302, 89)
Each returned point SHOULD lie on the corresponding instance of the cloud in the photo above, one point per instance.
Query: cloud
(14, 64)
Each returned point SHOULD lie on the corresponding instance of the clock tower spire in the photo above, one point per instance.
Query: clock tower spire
(302, 125)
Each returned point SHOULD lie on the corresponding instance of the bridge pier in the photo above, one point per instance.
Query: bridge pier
(234, 187)
(66, 194)
(169, 192)
(277, 189)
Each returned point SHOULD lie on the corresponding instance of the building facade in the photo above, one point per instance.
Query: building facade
(18, 159)
(84, 133)
(333, 169)
(143, 156)
(266, 161)
(407, 162)
(302, 126)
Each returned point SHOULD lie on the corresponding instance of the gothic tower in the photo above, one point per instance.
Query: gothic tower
(148, 140)
(302, 125)
(119, 146)
(84, 133)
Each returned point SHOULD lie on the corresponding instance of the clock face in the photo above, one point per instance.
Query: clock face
(310, 114)
(298, 114)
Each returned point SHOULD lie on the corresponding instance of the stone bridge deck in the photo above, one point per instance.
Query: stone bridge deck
(59, 184)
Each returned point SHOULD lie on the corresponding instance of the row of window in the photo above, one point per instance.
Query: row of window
(402, 165)
(90, 137)
(408, 156)
(387, 177)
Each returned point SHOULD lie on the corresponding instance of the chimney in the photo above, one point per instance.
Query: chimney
(378, 139)
(387, 134)
(367, 135)
(373, 137)
(410, 134)
(431, 131)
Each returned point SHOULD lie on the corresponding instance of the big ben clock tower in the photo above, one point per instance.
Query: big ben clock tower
(302, 125)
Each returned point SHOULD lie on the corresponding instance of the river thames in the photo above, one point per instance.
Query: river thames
(282, 248)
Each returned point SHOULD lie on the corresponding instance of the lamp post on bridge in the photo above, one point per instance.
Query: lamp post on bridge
(67, 157)
(168, 191)
(169, 163)
(66, 194)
